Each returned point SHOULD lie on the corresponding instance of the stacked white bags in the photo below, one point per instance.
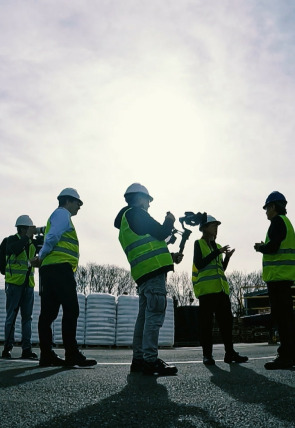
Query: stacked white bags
(127, 310)
(2, 313)
(166, 336)
(100, 319)
(35, 317)
(57, 325)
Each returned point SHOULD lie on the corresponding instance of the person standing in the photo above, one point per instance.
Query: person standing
(143, 241)
(278, 271)
(58, 260)
(19, 286)
(212, 290)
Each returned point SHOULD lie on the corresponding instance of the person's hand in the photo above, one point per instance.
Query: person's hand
(31, 231)
(170, 216)
(36, 262)
(258, 245)
(229, 253)
(224, 249)
(177, 257)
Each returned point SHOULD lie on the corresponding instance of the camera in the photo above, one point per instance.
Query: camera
(40, 230)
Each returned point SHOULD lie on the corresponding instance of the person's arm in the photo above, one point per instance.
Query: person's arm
(277, 233)
(199, 261)
(142, 223)
(16, 246)
(60, 223)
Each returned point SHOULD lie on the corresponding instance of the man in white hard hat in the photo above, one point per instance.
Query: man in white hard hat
(143, 241)
(279, 273)
(212, 290)
(58, 259)
(19, 286)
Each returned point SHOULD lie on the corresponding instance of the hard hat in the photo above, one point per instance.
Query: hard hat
(275, 197)
(209, 219)
(137, 188)
(24, 220)
(69, 191)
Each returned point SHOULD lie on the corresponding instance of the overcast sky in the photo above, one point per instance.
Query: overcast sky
(193, 99)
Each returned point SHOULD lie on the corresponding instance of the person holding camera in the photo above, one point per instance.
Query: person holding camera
(19, 286)
(212, 290)
(58, 260)
(143, 241)
(278, 271)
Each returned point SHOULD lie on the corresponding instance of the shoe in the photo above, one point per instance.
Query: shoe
(136, 366)
(279, 363)
(234, 356)
(6, 354)
(159, 367)
(51, 360)
(28, 354)
(80, 360)
(208, 360)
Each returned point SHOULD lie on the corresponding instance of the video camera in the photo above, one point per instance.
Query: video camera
(191, 219)
(39, 238)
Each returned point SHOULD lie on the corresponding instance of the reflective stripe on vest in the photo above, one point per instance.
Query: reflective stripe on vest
(211, 278)
(17, 267)
(144, 252)
(281, 265)
(66, 250)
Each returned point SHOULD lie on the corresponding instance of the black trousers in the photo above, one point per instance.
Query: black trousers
(58, 288)
(218, 304)
(281, 303)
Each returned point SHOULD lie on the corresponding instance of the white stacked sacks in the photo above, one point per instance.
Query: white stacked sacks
(100, 319)
(127, 310)
(2, 313)
(166, 336)
(57, 325)
(35, 317)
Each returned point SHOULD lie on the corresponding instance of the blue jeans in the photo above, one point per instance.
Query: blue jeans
(22, 296)
(150, 318)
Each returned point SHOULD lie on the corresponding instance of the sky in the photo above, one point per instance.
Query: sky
(193, 99)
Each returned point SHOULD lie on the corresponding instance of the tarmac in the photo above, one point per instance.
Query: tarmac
(107, 395)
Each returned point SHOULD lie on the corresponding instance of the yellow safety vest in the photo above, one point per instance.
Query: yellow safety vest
(18, 266)
(65, 251)
(281, 265)
(145, 253)
(211, 278)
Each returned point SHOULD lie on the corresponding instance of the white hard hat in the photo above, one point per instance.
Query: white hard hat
(137, 188)
(24, 220)
(69, 191)
(210, 219)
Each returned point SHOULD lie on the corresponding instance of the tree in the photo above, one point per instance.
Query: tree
(179, 287)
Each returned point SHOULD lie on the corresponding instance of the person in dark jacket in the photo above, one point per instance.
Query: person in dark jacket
(19, 286)
(143, 241)
(279, 273)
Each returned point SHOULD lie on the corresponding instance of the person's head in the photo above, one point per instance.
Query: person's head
(275, 204)
(137, 195)
(70, 199)
(209, 227)
(22, 224)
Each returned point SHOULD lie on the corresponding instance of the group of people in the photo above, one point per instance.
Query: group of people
(143, 240)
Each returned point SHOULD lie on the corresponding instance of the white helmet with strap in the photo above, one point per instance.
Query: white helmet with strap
(24, 220)
(137, 188)
(69, 191)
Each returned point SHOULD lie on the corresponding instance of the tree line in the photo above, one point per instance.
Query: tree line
(112, 279)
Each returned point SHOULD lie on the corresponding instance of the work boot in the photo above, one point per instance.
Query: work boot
(279, 363)
(136, 366)
(208, 360)
(159, 368)
(6, 354)
(234, 356)
(51, 360)
(78, 359)
(28, 354)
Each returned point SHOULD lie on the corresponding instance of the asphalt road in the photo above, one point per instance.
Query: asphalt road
(106, 395)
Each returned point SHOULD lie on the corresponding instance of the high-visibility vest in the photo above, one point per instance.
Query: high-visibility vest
(145, 253)
(66, 250)
(281, 265)
(211, 278)
(17, 267)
